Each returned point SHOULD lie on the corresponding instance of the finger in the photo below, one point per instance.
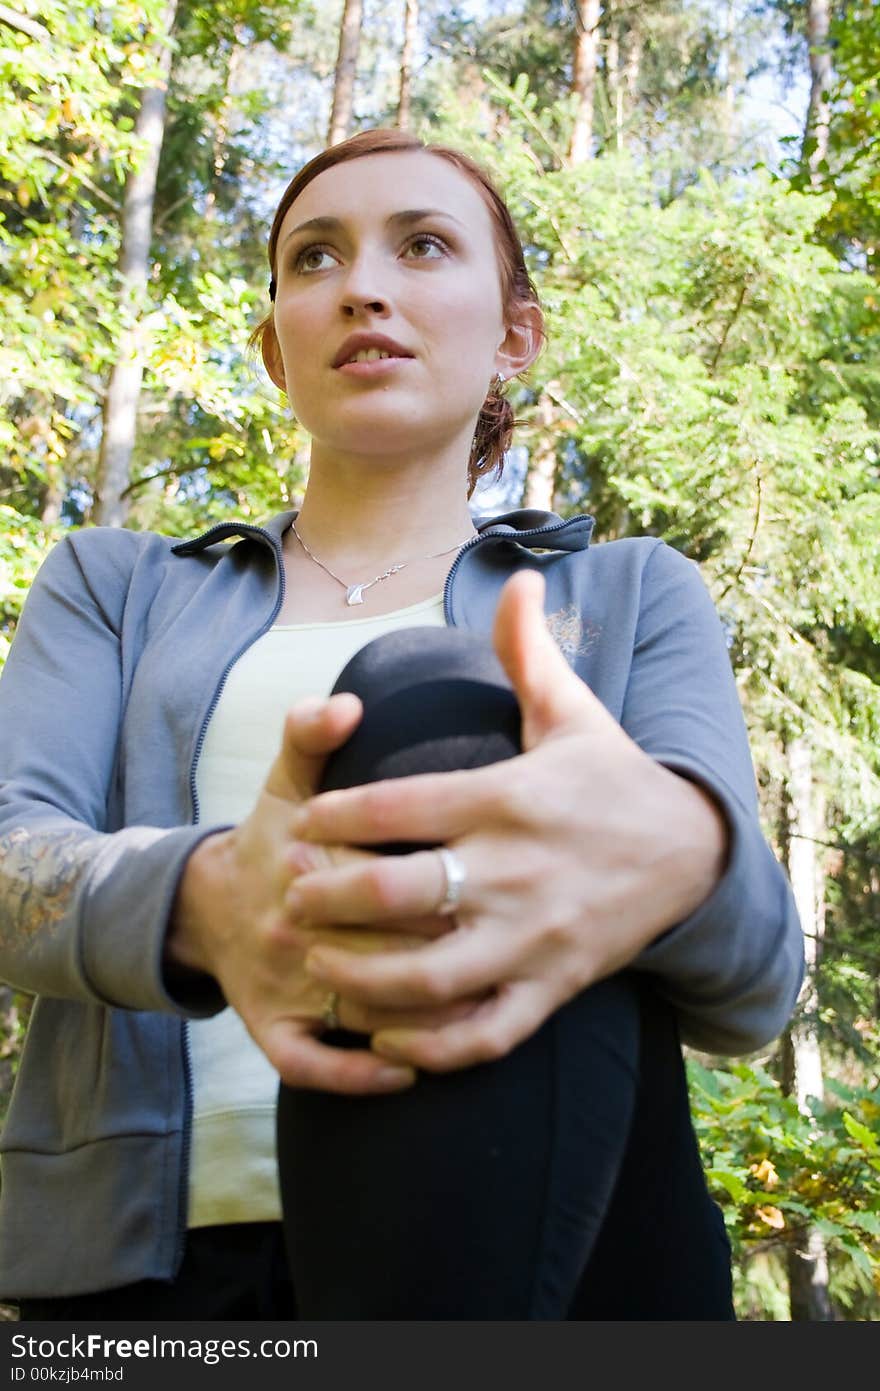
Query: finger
(425, 807)
(383, 889)
(486, 1034)
(552, 697)
(313, 728)
(464, 963)
(403, 934)
(365, 1019)
(302, 856)
(303, 1061)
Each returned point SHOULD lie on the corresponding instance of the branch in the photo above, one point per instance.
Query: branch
(151, 478)
(728, 326)
(569, 254)
(748, 551)
(559, 400)
(843, 846)
(77, 174)
(172, 208)
(508, 95)
(13, 20)
(854, 952)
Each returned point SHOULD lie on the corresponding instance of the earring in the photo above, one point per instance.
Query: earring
(498, 381)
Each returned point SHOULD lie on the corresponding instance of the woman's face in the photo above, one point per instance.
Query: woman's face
(392, 253)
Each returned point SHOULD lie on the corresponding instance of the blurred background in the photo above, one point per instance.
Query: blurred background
(698, 188)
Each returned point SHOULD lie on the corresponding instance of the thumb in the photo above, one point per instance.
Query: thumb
(553, 699)
(313, 729)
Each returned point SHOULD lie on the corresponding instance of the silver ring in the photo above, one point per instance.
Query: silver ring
(330, 1010)
(455, 874)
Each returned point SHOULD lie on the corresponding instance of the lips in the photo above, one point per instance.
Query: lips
(368, 342)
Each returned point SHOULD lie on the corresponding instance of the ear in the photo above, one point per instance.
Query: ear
(523, 340)
(271, 354)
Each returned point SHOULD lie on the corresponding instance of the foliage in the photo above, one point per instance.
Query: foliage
(854, 219)
(715, 379)
(775, 1169)
(63, 151)
(23, 545)
(849, 174)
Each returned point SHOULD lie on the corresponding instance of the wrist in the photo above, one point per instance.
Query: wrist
(702, 844)
(201, 886)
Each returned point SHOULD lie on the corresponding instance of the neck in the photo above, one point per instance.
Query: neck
(366, 513)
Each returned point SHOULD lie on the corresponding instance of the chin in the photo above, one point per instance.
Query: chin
(382, 432)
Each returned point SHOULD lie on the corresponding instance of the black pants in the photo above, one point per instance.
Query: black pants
(235, 1272)
(561, 1182)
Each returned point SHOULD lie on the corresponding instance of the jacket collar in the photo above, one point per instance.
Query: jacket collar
(272, 531)
(527, 526)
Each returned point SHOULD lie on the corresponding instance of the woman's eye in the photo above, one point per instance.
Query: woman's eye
(312, 258)
(426, 247)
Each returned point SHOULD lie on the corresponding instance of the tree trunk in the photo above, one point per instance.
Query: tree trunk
(410, 27)
(807, 1257)
(632, 68)
(583, 82)
(540, 485)
(613, 75)
(52, 499)
(124, 388)
(346, 68)
(814, 151)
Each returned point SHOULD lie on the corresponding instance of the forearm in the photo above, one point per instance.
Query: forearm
(733, 965)
(687, 853)
(83, 913)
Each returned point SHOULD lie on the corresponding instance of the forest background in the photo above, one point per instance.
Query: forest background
(712, 376)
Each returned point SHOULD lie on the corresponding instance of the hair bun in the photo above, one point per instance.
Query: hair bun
(492, 437)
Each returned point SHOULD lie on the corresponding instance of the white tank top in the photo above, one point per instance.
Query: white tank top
(233, 1174)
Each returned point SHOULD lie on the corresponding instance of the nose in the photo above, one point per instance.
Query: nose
(361, 291)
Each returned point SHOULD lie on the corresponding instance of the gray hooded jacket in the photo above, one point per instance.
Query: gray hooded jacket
(116, 667)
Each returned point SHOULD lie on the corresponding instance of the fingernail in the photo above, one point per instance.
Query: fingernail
(310, 707)
(315, 966)
(386, 1047)
(294, 903)
(302, 858)
(396, 1076)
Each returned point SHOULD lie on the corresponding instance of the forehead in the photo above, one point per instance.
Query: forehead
(374, 187)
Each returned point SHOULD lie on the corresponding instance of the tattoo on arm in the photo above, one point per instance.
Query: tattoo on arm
(39, 875)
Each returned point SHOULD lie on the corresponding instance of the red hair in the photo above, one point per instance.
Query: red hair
(495, 422)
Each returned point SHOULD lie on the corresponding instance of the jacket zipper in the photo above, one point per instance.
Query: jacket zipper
(186, 1048)
(483, 536)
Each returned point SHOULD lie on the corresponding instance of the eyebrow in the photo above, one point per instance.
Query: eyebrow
(404, 219)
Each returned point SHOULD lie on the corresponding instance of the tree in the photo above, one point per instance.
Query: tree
(818, 119)
(124, 387)
(346, 71)
(410, 29)
(802, 1070)
(583, 80)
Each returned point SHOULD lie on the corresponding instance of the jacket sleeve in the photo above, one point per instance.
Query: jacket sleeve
(732, 969)
(83, 912)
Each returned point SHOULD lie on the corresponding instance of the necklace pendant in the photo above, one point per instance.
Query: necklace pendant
(354, 594)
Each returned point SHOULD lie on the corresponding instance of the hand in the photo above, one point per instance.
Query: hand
(231, 921)
(578, 853)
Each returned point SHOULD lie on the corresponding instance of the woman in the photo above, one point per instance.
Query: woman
(153, 871)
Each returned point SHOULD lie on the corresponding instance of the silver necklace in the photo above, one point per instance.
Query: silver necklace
(354, 593)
